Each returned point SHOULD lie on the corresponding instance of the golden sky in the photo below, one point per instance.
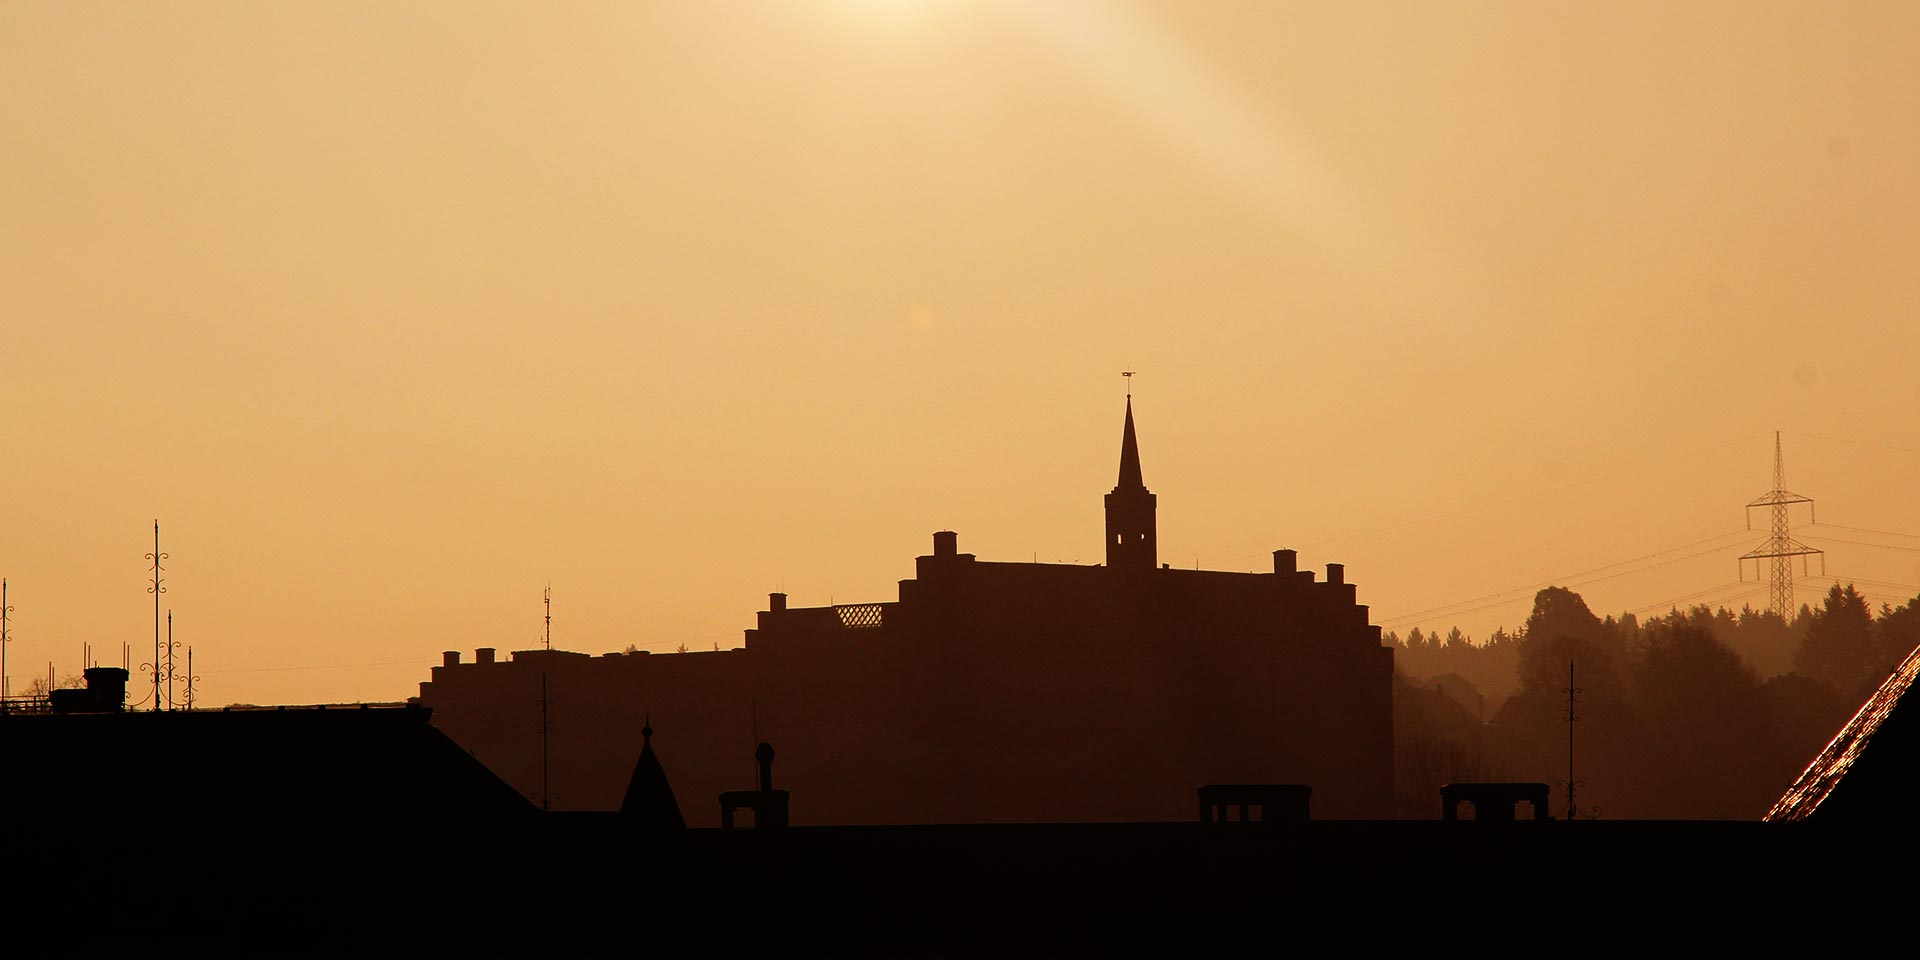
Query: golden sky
(392, 314)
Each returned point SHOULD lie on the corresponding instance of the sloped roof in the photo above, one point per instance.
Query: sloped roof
(361, 765)
(649, 796)
(1869, 768)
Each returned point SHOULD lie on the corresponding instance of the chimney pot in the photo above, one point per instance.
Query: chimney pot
(483, 655)
(1286, 561)
(776, 602)
(451, 658)
(946, 543)
(1336, 573)
(764, 754)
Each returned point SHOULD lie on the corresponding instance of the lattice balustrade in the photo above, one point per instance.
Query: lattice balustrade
(860, 616)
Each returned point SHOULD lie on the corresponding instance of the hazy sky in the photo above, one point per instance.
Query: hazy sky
(392, 314)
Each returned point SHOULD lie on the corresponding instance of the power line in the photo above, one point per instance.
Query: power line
(330, 666)
(1528, 496)
(1569, 580)
(1863, 580)
(1560, 580)
(1698, 597)
(1863, 443)
(1884, 533)
(1863, 543)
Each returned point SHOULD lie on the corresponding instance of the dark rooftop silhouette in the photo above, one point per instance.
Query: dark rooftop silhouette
(1869, 771)
(358, 829)
(649, 796)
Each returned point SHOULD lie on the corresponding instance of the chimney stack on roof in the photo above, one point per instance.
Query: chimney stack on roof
(764, 754)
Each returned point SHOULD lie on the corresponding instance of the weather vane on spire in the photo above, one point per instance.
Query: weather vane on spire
(1129, 375)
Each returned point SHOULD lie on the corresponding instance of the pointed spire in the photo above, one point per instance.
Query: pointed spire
(1130, 508)
(1129, 455)
(649, 797)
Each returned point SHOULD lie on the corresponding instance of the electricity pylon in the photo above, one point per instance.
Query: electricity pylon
(1780, 548)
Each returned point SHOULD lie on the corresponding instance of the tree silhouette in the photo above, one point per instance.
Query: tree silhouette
(1717, 753)
(1838, 648)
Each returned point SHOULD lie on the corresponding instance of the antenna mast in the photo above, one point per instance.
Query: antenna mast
(1780, 547)
(4, 640)
(546, 733)
(170, 646)
(191, 678)
(546, 638)
(156, 586)
(1573, 717)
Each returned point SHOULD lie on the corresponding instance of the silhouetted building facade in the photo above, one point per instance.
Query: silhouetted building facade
(986, 692)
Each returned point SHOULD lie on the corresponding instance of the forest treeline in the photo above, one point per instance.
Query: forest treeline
(1700, 713)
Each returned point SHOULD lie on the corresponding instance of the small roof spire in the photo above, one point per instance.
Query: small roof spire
(649, 798)
(1130, 454)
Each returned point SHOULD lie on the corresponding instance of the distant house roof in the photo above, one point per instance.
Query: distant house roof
(1869, 769)
(344, 764)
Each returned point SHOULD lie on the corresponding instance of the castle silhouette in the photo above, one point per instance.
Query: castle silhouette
(987, 692)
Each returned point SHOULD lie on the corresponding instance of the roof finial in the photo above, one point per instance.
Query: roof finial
(1129, 452)
(646, 729)
(1129, 375)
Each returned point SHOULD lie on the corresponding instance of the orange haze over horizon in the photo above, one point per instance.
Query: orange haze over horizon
(393, 315)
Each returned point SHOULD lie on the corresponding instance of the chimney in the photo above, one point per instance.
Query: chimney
(764, 754)
(946, 543)
(776, 602)
(450, 658)
(107, 687)
(1336, 573)
(1285, 562)
(483, 656)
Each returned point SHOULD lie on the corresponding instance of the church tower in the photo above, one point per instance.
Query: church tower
(1130, 511)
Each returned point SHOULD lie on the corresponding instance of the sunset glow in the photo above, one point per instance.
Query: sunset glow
(392, 315)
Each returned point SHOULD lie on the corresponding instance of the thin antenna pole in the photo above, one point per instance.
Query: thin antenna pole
(1570, 719)
(1573, 694)
(190, 677)
(1129, 375)
(546, 790)
(4, 640)
(169, 659)
(156, 587)
(546, 638)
